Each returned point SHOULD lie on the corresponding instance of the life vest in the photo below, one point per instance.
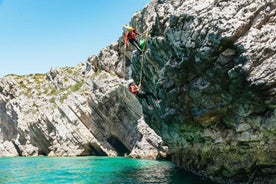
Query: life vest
(133, 89)
(130, 35)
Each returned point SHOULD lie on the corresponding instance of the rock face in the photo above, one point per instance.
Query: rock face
(212, 62)
(214, 65)
(72, 112)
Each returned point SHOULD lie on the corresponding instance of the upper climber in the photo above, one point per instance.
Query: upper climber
(130, 36)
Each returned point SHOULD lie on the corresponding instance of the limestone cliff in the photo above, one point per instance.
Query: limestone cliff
(212, 62)
(72, 112)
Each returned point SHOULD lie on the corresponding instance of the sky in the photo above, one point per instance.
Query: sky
(36, 35)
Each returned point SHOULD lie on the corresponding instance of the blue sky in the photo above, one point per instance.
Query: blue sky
(36, 35)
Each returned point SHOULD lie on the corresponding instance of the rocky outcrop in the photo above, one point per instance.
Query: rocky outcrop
(212, 62)
(72, 112)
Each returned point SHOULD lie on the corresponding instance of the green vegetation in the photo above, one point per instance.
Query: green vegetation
(52, 100)
(21, 84)
(39, 78)
(45, 91)
(64, 97)
(70, 71)
(53, 92)
(77, 86)
(36, 84)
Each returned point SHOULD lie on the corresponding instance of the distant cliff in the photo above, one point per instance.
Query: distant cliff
(72, 112)
(212, 62)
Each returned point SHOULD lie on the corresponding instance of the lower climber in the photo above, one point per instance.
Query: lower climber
(136, 89)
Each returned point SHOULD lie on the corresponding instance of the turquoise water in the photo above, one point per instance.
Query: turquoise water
(91, 170)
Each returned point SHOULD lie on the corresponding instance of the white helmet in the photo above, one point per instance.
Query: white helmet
(130, 81)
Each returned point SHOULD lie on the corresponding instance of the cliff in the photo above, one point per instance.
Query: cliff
(213, 65)
(212, 62)
(72, 112)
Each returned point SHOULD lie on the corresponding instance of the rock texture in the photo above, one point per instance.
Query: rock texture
(214, 65)
(72, 112)
(212, 62)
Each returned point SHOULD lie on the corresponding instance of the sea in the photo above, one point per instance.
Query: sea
(83, 170)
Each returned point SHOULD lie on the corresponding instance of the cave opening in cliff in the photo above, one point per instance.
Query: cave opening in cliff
(118, 146)
(94, 149)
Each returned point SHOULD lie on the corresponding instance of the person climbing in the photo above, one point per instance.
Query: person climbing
(130, 36)
(136, 89)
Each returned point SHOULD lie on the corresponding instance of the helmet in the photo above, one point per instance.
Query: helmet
(129, 28)
(130, 81)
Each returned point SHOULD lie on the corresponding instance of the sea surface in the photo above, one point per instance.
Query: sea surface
(91, 170)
